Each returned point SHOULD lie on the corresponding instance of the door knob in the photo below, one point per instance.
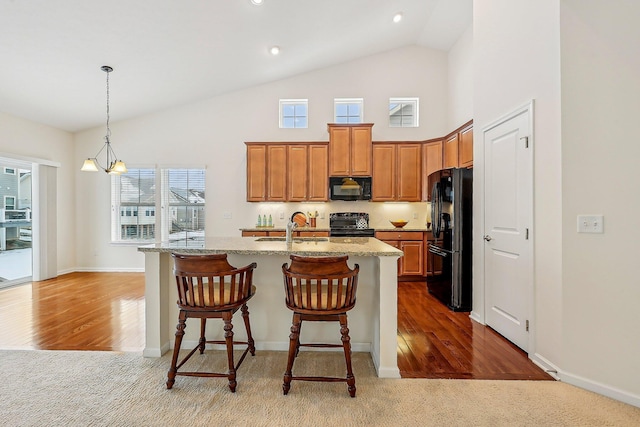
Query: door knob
(487, 238)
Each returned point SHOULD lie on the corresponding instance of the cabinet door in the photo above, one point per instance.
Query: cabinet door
(383, 186)
(256, 173)
(432, 162)
(466, 148)
(246, 233)
(361, 150)
(451, 152)
(413, 260)
(339, 151)
(276, 173)
(409, 172)
(318, 173)
(297, 172)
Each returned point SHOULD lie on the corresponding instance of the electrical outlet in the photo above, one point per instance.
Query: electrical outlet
(590, 224)
(321, 214)
(281, 215)
(415, 215)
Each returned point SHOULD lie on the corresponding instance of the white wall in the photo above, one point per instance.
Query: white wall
(461, 81)
(212, 134)
(586, 286)
(29, 139)
(600, 102)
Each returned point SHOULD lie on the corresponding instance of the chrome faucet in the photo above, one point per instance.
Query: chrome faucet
(290, 227)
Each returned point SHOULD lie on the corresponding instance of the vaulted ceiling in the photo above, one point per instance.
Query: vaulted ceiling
(168, 52)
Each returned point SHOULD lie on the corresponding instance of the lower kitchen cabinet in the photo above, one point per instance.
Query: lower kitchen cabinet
(412, 264)
(262, 233)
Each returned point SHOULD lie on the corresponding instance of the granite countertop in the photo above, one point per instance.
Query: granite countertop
(283, 229)
(312, 246)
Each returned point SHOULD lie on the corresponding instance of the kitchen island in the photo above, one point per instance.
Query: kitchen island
(372, 323)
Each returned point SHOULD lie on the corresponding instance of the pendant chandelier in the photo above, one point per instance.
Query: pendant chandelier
(112, 164)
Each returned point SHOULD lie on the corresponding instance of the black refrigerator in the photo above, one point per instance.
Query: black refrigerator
(451, 222)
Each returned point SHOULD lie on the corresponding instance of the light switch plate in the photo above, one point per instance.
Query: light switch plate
(590, 224)
(226, 215)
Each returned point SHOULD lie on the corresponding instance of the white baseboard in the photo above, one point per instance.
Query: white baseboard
(603, 389)
(476, 317)
(545, 365)
(106, 270)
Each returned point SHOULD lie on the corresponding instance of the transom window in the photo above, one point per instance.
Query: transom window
(294, 113)
(348, 110)
(403, 112)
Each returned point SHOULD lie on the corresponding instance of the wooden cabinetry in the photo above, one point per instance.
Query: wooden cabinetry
(411, 243)
(431, 162)
(350, 149)
(397, 172)
(287, 172)
(458, 148)
(281, 233)
(466, 147)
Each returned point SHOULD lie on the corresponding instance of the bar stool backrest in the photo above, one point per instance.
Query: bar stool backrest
(321, 285)
(209, 282)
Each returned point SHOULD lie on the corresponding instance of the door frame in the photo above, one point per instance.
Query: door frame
(478, 312)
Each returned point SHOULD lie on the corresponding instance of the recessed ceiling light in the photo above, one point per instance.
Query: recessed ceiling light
(257, 2)
(397, 17)
(274, 50)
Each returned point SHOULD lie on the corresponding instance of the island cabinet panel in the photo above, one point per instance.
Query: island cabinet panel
(397, 172)
(256, 173)
(383, 179)
(277, 173)
(466, 147)
(318, 173)
(412, 265)
(297, 173)
(350, 149)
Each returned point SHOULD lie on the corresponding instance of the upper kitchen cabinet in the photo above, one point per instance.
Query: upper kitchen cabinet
(458, 147)
(307, 177)
(466, 147)
(350, 149)
(288, 172)
(397, 172)
(431, 162)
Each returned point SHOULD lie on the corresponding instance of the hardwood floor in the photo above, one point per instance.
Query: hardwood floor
(435, 342)
(105, 311)
(76, 311)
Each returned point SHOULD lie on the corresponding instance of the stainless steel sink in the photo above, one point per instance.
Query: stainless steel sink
(295, 239)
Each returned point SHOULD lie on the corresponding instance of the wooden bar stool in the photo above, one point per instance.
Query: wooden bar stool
(210, 288)
(319, 289)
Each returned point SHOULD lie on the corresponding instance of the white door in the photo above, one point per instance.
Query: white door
(507, 226)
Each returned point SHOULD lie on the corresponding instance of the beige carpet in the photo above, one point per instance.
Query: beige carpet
(67, 388)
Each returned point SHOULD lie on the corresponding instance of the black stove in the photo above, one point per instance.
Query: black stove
(350, 224)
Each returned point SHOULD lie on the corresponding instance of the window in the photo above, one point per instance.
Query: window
(9, 203)
(181, 197)
(294, 113)
(347, 110)
(403, 112)
(9, 171)
(132, 192)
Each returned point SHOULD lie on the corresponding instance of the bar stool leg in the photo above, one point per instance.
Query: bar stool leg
(171, 376)
(346, 344)
(203, 341)
(247, 325)
(228, 336)
(294, 338)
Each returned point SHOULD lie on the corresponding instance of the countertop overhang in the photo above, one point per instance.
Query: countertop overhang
(353, 246)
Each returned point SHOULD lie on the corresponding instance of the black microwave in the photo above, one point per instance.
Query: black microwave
(349, 188)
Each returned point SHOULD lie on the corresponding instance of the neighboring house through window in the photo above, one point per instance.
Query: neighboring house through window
(403, 112)
(135, 197)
